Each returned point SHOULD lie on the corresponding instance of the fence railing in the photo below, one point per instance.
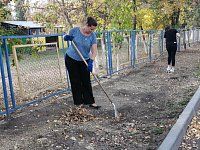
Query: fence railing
(32, 67)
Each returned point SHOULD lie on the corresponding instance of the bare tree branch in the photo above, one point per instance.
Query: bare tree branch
(65, 13)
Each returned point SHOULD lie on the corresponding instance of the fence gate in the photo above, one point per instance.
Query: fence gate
(31, 70)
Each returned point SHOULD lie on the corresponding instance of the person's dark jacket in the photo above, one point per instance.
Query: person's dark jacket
(170, 36)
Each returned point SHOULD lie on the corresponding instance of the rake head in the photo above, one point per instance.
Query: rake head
(116, 112)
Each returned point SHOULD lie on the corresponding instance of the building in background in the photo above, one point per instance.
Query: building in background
(25, 27)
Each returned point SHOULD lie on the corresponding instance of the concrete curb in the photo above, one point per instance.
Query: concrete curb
(175, 135)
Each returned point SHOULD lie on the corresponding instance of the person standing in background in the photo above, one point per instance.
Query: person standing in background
(171, 46)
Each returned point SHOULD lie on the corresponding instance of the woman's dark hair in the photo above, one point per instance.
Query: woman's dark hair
(91, 21)
(167, 28)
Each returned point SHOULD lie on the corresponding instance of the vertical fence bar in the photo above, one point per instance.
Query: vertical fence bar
(188, 34)
(150, 44)
(197, 35)
(196, 32)
(4, 83)
(104, 50)
(66, 72)
(9, 73)
(133, 36)
(106, 47)
(161, 42)
(179, 42)
(193, 38)
(184, 41)
(63, 46)
(109, 46)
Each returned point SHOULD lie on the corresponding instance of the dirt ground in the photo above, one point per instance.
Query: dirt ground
(148, 99)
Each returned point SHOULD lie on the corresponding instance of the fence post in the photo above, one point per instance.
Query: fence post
(9, 73)
(109, 47)
(193, 36)
(66, 72)
(150, 44)
(133, 36)
(5, 96)
(161, 42)
(179, 42)
(188, 34)
(184, 39)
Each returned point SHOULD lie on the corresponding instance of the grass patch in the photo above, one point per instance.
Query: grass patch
(183, 103)
(157, 130)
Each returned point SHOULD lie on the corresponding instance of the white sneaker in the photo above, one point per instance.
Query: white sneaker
(168, 68)
(172, 69)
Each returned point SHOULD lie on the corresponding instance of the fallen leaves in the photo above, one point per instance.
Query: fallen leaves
(191, 139)
(76, 115)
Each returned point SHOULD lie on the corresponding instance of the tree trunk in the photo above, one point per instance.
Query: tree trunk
(84, 7)
(65, 14)
(134, 17)
(20, 11)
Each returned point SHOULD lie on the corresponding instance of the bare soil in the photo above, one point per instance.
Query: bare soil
(148, 99)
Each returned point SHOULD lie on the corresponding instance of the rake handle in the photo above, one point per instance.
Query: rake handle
(79, 53)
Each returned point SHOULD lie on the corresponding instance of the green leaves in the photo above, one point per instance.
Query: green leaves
(4, 12)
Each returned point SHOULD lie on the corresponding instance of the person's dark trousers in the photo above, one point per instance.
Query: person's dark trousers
(171, 49)
(80, 81)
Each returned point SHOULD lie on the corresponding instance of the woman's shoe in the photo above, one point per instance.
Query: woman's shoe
(172, 69)
(168, 69)
(94, 106)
